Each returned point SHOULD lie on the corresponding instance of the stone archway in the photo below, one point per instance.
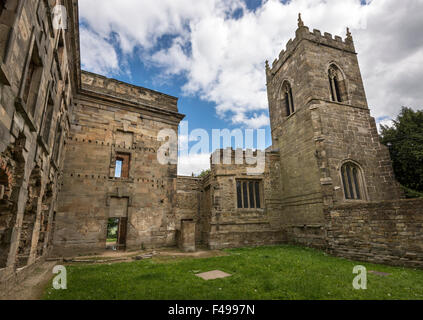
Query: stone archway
(29, 218)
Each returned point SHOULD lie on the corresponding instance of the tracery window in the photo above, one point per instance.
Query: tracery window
(352, 181)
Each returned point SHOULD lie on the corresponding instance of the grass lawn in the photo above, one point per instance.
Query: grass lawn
(279, 272)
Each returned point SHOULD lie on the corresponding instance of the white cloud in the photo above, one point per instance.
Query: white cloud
(194, 163)
(99, 55)
(223, 57)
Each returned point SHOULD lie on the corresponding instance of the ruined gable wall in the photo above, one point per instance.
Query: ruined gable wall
(104, 125)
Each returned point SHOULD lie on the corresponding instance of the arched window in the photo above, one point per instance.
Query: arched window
(338, 88)
(352, 181)
(288, 98)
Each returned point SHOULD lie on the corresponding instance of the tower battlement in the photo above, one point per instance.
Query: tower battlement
(303, 33)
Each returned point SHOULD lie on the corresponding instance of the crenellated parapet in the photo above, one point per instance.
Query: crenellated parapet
(304, 33)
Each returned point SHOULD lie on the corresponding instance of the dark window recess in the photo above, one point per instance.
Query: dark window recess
(238, 194)
(122, 165)
(258, 203)
(288, 111)
(251, 191)
(48, 120)
(352, 181)
(289, 99)
(32, 81)
(2, 6)
(245, 193)
(248, 194)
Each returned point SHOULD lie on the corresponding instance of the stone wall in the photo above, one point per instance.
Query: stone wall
(36, 91)
(105, 126)
(388, 232)
(227, 225)
(187, 204)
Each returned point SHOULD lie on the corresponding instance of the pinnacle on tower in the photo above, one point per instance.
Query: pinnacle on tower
(300, 21)
(349, 36)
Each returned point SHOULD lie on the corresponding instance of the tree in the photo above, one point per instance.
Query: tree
(204, 173)
(405, 142)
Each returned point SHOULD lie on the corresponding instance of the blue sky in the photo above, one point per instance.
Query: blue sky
(211, 53)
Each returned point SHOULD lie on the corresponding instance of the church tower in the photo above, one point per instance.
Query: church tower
(321, 124)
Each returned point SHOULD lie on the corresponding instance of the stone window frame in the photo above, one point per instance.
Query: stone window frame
(29, 81)
(361, 183)
(335, 85)
(119, 194)
(112, 168)
(22, 106)
(261, 195)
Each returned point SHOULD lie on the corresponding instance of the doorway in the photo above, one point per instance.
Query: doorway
(116, 234)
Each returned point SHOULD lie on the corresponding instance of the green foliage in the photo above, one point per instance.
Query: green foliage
(405, 142)
(112, 228)
(411, 194)
(204, 173)
(277, 272)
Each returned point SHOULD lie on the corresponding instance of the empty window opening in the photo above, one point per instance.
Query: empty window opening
(48, 120)
(338, 88)
(352, 181)
(112, 233)
(122, 165)
(118, 170)
(116, 233)
(32, 81)
(248, 194)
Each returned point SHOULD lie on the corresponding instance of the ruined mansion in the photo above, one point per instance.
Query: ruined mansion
(65, 133)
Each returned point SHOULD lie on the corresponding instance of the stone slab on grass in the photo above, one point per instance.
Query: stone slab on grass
(215, 274)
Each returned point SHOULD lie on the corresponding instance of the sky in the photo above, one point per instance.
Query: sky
(211, 54)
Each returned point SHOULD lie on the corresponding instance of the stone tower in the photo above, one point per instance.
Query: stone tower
(321, 124)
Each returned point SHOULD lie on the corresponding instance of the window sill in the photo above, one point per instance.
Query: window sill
(354, 201)
(250, 210)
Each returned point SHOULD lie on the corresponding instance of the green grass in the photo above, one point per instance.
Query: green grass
(411, 194)
(279, 272)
